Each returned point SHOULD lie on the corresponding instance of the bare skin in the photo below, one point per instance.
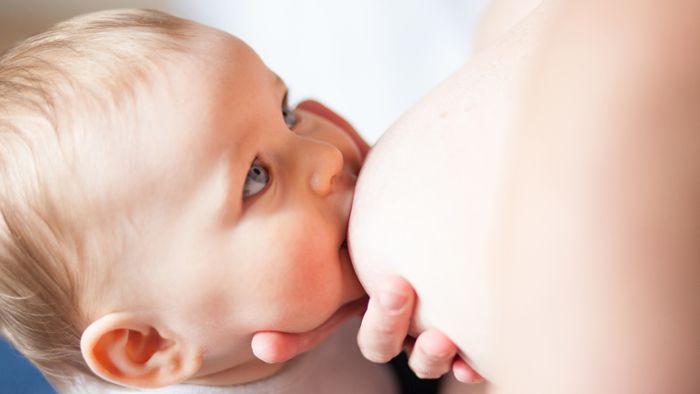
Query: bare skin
(476, 109)
(586, 258)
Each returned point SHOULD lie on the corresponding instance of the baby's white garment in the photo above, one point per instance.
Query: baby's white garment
(336, 367)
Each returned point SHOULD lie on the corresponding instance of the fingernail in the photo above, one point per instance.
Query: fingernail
(392, 301)
(468, 377)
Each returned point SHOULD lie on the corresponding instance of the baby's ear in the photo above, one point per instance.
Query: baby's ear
(123, 349)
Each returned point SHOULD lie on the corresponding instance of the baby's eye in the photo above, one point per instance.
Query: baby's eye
(290, 118)
(256, 180)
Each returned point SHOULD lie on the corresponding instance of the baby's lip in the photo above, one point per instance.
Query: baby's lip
(321, 110)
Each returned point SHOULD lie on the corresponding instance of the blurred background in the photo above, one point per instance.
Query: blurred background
(368, 60)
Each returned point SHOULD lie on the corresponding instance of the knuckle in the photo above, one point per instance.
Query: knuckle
(376, 356)
(426, 374)
(426, 366)
(385, 328)
(377, 352)
(433, 359)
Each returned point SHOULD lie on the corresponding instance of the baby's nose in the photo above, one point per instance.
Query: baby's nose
(325, 163)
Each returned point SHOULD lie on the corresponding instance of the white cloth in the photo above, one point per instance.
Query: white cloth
(336, 367)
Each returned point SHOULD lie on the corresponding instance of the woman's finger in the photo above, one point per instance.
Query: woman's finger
(432, 355)
(464, 372)
(386, 322)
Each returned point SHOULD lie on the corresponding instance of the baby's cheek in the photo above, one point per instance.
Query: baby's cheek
(309, 288)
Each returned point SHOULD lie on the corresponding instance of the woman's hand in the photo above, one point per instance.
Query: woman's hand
(385, 332)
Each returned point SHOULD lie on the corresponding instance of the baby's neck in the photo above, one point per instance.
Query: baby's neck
(88, 384)
(244, 373)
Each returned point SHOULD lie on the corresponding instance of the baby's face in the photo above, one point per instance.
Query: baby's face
(238, 207)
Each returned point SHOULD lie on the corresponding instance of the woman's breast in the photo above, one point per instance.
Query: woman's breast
(424, 209)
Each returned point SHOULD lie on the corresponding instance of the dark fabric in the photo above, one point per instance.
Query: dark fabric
(408, 381)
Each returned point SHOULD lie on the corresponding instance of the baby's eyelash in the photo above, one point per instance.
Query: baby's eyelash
(288, 114)
(285, 98)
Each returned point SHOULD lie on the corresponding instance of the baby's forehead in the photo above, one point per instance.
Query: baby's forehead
(184, 104)
(220, 77)
(216, 63)
(211, 48)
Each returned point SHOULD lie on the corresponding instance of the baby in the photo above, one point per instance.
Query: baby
(162, 205)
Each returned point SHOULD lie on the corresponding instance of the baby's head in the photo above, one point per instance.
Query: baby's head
(161, 203)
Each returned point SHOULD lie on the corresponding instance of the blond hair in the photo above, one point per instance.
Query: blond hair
(45, 243)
